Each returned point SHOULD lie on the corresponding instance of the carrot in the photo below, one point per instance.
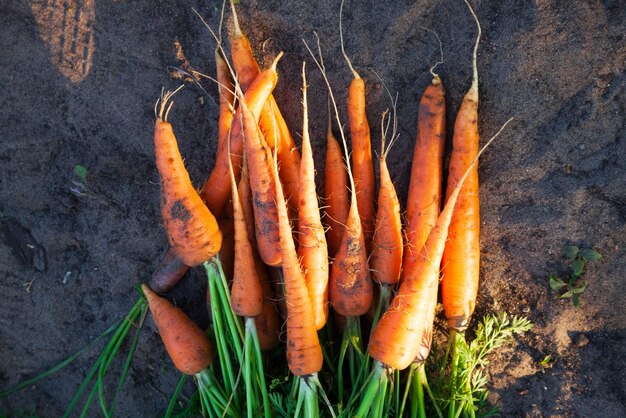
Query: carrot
(313, 250)
(216, 190)
(187, 345)
(403, 333)
(226, 88)
(263, 187)
(268, 322)
(246, 291)
(170, 269)
(192, 230)
(271, 120)
(304, 353)
(424, 197)
(227, 251)
(168, 272)
(245, 196)
(386, 258)
(350, 284)
(336, 192)
(362, 163)
(461, 258)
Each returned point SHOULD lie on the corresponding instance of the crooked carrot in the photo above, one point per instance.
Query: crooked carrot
(192, 230)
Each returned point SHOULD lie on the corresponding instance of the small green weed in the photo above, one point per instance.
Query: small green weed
(547, 362)
(575, 284)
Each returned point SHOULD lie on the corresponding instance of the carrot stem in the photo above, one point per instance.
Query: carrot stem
(308, 393)
(105, 358)
(250, 322)
(110, 352)
(179, 387)
(407, 387)
(418, 407)
(454, 336)
(60, 365)
(431, 395)
(396, 389)
(129, 358)
(342, 354)
(375, 381)
(384, 298)
(211, 397)
(227, 326)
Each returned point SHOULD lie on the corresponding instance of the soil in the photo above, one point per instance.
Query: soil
(79, 80)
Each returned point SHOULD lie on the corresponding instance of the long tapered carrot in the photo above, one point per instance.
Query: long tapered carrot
(461, 258)
(403, 333)
(350, 284)
(188, 346)
(424, 197)
(271, 120)
(386, 258)
(216, 189)
(268, 322)
(263, 187)
(246, 292)
(192, 230)
(313, 250)
(362, 164)
(336, 192)
(304, 353)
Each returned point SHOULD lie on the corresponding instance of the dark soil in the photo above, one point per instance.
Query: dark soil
(79, 80)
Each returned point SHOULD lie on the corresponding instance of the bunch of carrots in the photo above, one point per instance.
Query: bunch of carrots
(349, 267)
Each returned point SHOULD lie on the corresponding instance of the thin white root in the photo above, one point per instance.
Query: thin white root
(343, 51)
(474, 86)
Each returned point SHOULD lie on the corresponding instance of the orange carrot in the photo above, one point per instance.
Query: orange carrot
(268, 322)
(461, 258)
(246, 293)
(263, 187)
(171, 269)
(386, 258)
(404, 332)
(362, 164)
(192, 230)
(424, 197)
(336, 192)
(350, 285)
(304, 353)
(245, 196)
(271, 121)
(188, 346)
(227, 251)
(313, 250)
(226, 88)
(216, 189)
